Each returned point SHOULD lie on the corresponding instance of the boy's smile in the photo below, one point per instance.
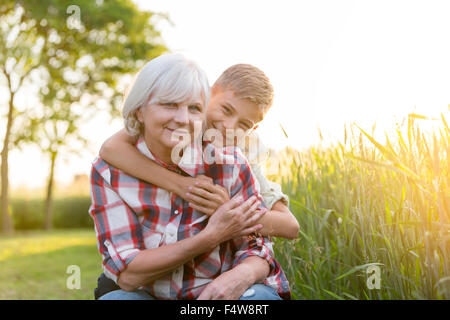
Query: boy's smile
(225, 111)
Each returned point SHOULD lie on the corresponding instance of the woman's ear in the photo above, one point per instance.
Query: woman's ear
(139, 115)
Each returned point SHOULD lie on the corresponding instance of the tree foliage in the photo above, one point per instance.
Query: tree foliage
(74, 54)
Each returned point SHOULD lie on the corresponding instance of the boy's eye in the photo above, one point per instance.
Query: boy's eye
(244, 127)
(226, 110)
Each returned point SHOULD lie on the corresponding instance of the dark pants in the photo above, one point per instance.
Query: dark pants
(104, 285)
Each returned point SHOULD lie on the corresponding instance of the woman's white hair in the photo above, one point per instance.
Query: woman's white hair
(168, 78)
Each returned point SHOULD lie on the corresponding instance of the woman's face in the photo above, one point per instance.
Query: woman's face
(164, 122)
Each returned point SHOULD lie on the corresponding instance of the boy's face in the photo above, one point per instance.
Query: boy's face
(225, 111)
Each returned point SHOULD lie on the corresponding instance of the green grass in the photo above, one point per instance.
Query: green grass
(33, 264)
(362, 203)
(68, 212)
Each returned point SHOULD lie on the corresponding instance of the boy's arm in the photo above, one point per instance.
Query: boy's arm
(279, 220)
(120, 151)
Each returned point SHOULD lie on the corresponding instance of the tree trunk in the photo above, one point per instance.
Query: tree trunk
(7, 226)
(49, 199)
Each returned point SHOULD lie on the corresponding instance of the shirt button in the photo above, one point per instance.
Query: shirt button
(176, 212)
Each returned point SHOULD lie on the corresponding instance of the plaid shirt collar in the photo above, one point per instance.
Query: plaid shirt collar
(191, 162)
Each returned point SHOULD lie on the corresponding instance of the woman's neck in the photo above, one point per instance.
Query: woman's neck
(163, 153)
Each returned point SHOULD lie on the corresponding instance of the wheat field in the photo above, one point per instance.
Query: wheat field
(363, 203)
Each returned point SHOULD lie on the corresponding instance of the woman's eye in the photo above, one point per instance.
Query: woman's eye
(195, 108)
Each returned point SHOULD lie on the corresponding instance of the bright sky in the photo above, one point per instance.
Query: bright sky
(330, 62)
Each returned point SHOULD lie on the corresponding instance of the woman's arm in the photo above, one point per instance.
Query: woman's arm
(231, 284)
(233, 219)
(277, 222)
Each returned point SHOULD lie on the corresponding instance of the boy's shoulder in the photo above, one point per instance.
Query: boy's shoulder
(253, 148)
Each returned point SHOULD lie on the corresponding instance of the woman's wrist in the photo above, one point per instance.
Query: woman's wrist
(210, 239)
(251, 270)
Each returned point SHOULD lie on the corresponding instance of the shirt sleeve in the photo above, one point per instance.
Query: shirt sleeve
(262, 247)
(270, 191)
(116, 225)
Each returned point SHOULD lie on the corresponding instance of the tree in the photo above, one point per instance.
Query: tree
(75, 55)
(17, 61)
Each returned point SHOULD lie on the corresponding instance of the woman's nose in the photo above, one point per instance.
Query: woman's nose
(182, 115)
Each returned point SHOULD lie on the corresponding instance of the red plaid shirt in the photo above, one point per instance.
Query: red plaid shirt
(131, 215)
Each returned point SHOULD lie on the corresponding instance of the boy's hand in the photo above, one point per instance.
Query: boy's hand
(205, 196)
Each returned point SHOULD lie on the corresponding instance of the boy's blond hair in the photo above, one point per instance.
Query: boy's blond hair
(247, 82)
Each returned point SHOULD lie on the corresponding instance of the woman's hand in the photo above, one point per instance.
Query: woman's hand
(235, 219)
(202, 194)
(229, 285)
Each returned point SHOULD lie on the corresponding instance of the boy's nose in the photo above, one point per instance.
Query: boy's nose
(229, 124)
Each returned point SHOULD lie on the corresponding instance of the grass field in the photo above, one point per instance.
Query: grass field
(360, 204)
(33, 264)
(363, 203)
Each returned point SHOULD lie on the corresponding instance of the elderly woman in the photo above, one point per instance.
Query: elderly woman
(153, 244)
